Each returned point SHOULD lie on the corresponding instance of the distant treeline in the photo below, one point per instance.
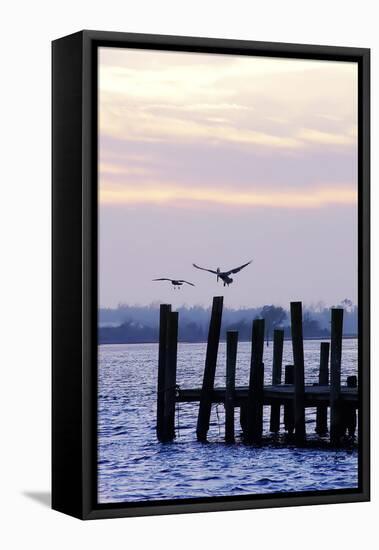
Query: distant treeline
(138, 324)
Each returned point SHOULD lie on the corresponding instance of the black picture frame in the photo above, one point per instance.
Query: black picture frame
(74, 271)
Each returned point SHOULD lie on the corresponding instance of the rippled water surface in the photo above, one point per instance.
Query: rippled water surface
(134, 466)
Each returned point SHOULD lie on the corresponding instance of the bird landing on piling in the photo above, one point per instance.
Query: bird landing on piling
(224, 275)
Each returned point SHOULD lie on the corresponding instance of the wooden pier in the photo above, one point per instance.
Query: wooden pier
(291, 394)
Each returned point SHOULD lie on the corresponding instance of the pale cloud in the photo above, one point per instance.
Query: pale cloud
(327, 138)
(147, 127)
(264, 107)
(262, 102)
(179, 75)
(164, 194)
(121, 170)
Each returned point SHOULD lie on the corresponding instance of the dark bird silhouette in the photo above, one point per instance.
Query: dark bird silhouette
(224, 275)
(177, 283)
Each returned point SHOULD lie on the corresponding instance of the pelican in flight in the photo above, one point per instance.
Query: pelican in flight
(176, 283)
(224, 275)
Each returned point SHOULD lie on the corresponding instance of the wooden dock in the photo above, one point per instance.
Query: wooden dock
(313, 395)
(293, 395)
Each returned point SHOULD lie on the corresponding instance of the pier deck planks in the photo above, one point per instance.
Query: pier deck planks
(313, 395)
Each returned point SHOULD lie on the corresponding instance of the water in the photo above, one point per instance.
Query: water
(133, 466)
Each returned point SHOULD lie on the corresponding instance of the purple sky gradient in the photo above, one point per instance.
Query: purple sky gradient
(220, 159)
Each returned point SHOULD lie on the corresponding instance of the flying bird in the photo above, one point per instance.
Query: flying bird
(224, 275)
(177, 283)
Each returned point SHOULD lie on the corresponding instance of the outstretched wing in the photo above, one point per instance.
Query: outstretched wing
(162, 279)
(237, 269)
(188, 283)
(204, 269)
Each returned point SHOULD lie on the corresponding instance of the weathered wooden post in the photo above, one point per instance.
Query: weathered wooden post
(350, 414)
(351, 381)
(254, 415)
(165, 310)
(276, 377)
(335, 375)
(170, 378)
(298, 358)
(231, 357)
(205, 405)
(323, 380)
(289, 423)
(243, 418)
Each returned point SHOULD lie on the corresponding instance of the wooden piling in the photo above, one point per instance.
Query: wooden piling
(209, 370)
(335, 375)
(170, 378)
(254, 420)
(165, 310)
(350, 413)
(243, 419)
(298, 359)
(289, 422)
(276, 377)
(323, 380)
(231, 357)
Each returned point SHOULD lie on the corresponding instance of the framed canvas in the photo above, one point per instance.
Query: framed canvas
(210, 274)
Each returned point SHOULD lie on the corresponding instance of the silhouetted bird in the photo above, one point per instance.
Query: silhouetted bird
(177, 283)
(224, 275)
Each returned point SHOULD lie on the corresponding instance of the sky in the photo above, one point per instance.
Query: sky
(220, 159)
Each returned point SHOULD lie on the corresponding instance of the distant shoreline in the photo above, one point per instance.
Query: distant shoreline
(347, 337)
